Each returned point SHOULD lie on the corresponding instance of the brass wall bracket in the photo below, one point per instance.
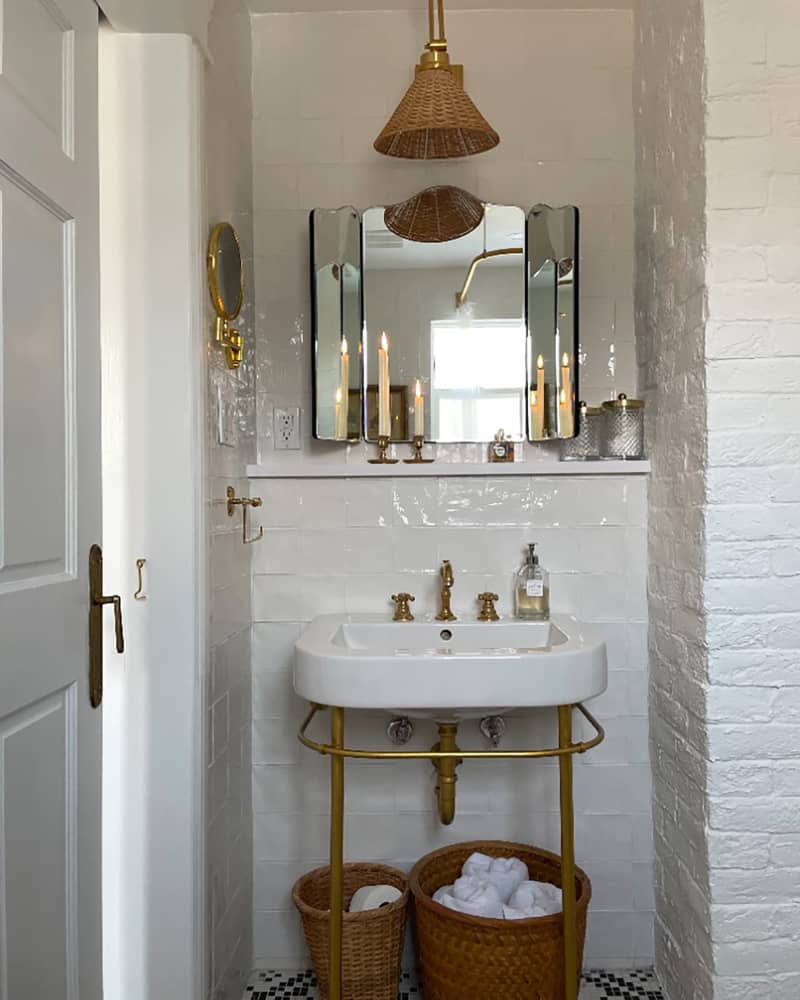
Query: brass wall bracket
(244, 502)
(228, 337)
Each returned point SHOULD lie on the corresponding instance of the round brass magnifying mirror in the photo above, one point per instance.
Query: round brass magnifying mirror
(226, 287)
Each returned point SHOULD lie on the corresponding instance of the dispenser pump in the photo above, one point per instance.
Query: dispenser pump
(532, 588)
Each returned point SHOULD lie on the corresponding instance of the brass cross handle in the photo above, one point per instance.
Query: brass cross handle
(402, 613)
(488, 612)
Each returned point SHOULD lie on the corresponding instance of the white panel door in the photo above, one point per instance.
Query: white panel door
(50, 510)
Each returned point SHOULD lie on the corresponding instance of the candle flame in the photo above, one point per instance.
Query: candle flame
(384, 342)
(419, 390)
(563, 396)
(540, 362)
(344, 345)
(565, 361)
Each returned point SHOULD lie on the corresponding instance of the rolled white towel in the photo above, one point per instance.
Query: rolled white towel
(471, 895)
(477, 864)
(537, 899)
(505, 874)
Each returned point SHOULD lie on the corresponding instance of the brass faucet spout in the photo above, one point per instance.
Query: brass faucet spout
(445, 594)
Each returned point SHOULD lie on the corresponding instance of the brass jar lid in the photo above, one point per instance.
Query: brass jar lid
(623, 403)
(590, 411)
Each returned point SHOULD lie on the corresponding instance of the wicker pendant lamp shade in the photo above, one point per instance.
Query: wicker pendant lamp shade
(436, 119)
(435, 215)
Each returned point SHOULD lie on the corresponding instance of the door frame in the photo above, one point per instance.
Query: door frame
(152, 207)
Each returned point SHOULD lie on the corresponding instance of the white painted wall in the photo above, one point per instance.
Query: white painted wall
(153, 478)
(229, 191)
(181, 17)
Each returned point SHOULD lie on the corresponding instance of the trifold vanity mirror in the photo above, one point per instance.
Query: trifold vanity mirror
(483, 327)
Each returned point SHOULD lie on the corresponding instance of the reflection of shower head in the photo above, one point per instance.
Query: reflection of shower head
(486, 255)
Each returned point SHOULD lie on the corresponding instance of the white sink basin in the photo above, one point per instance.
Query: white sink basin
(448, 670)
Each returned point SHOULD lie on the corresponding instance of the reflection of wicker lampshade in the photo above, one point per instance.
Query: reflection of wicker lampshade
(436, 120)
(435, 215)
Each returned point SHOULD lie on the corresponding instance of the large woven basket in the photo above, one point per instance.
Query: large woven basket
(372, 941)
(464, 957)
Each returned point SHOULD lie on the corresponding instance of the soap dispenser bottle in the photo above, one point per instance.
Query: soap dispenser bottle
(532, 589)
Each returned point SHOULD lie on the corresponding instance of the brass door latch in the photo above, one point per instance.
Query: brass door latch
(402, 613)
(97, 601)
(488, 612)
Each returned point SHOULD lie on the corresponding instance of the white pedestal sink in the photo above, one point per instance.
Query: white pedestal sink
(448, 670)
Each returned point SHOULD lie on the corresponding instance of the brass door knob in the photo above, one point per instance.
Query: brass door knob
(488, 612)
(402, 611)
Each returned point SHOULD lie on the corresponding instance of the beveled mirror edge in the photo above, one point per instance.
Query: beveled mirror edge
(357, 218)
(213, 280)
(575, 365)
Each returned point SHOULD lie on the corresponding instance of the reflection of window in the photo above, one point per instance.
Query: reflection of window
(477, 379)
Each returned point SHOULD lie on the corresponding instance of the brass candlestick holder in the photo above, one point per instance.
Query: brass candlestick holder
(419, 442)
(383, 446)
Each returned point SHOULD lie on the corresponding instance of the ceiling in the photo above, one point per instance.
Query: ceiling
(299, 6)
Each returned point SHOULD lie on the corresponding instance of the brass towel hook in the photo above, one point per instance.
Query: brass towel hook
(139, 594)
(244, 503)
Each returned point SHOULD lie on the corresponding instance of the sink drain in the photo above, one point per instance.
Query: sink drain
(446, 634)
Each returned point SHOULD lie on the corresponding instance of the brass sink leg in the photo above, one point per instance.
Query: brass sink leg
(446, 768)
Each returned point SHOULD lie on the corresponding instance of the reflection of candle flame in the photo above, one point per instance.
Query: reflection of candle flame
(419, 390)
(565, 361)
(384, 341)
(540, 362)
(563, 396)
(338, 397)
(344, 345)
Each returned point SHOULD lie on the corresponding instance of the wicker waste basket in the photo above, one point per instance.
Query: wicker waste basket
(464, 957)
(372, 941)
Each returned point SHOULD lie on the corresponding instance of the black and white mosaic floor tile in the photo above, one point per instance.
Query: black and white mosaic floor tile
(636, 985)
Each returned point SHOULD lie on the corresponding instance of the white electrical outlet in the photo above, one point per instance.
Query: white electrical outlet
(286, 428)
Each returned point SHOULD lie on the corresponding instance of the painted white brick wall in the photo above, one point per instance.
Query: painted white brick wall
(335, 546)
(718, 292)
(670, 317)
(228, 785)
(752, 589)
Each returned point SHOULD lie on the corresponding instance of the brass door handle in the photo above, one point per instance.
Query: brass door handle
(116, 600)
(97, 601)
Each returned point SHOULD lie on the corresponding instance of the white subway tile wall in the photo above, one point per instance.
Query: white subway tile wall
(350, 553)
(315, 120)
(228, 787)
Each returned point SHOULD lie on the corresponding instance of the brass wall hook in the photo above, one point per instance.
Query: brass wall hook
(244, 502)
(139, 594)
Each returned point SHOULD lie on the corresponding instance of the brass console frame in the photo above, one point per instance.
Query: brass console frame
(338, 753)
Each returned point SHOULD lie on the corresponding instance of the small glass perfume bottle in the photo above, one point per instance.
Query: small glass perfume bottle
(532, 589)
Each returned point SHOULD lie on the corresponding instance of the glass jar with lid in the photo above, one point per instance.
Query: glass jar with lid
(623, 428)
(586, 443)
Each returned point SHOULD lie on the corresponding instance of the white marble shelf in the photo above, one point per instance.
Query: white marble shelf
(311, 470)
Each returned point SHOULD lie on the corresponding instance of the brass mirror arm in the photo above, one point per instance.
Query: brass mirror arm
(327, 749)
(461, 297)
